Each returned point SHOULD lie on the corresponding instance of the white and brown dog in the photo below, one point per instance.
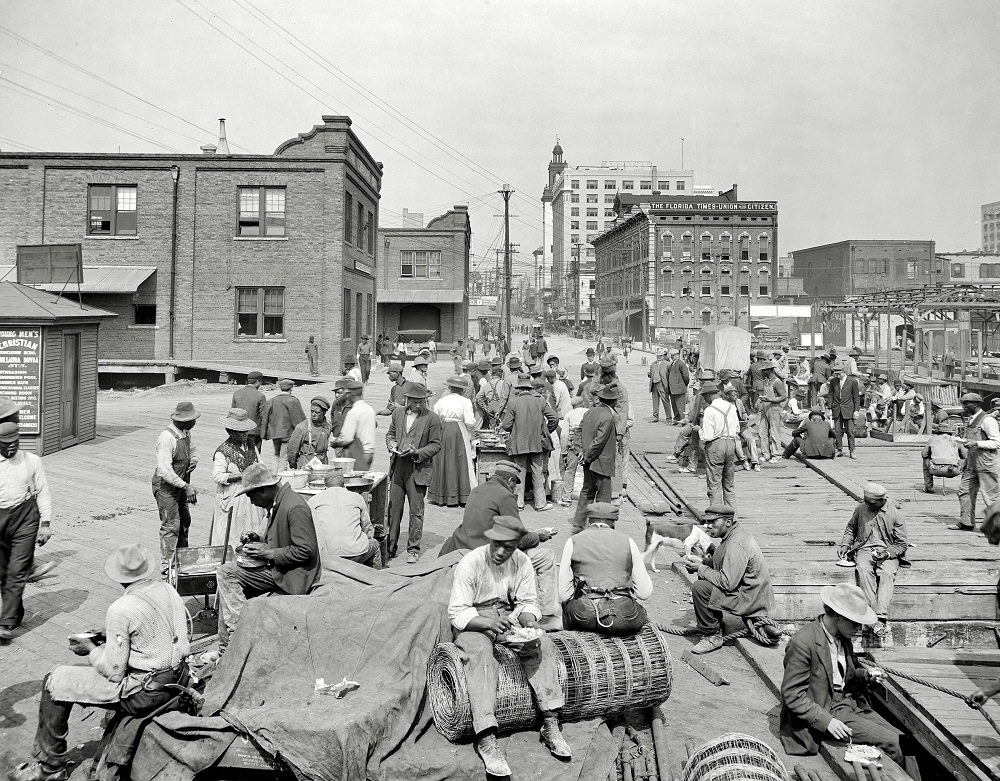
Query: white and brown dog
(685, 538)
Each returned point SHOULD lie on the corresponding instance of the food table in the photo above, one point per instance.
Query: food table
(492, 447)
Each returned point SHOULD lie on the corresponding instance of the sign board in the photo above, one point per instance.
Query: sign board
(49, 264)
(21, 373)
(364, 268)
(780, 310)
(715, 206)
(810, 340)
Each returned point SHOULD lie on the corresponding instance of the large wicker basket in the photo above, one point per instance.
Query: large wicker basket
(734, 757)
(599, 675)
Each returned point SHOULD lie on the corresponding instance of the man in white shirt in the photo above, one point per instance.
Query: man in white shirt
(351, 369)
(25, 520)
(343, 525)
(564, 401)
(176, 458)
(357, 433)
(982, 464)
(493, 591)
(417, 373)
(571, 440)
(720, 425)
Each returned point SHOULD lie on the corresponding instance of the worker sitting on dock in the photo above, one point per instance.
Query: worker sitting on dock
(944, 456)
(687, 451)
(875, 539)
(815, 437)
(822, 691)
(735, 579)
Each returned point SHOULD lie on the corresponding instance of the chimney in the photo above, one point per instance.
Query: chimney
(208, 149)
(735, 197)
(223, 144)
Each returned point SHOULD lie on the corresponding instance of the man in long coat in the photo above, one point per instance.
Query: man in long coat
(530, 421)
(658, 386)
(843, 400)
(678, 377)
(600, 451)
(250, 398)
(284, 413)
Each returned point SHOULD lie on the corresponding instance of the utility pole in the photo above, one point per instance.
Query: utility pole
(506, 192)
(576, 288)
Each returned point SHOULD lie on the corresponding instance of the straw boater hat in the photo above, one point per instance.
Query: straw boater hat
(416, 390)
(848, 601)
(130, 563)
(8, 407)
(184, 412)
(237, 420)
(256, 476)
(505, 528)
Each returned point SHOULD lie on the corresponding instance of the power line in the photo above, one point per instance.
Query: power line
(20, 143)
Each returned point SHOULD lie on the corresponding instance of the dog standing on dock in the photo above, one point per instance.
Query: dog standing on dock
(685, 538)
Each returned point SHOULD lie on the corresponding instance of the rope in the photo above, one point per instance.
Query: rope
(937, 687)
(693, 630)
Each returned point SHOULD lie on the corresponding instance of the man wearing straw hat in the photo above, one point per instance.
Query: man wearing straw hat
(310, 438)
(822, 690)
(147, 639)
(284, 413)
(287, 559)
(176, 458)
(493, 591)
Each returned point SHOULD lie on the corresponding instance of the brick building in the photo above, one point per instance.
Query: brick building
(970, 267)
(831, 271)
(423, 277)
(218, 258)
(669, 265)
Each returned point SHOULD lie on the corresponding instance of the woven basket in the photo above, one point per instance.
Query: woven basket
(599, 676)
(734, 757)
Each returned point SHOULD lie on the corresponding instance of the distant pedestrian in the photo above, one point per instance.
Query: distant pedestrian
(530, 420)
(432, 350)
(678, 375)
(365, 358)
(843, 399)
(312, 353)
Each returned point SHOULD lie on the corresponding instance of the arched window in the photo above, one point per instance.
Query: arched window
(726, 314)
(687, 281)
(666, 315)
(725, 246)
(687, 316)
(744, 246)
(666, 245)
(744, 281)
(687, 241)
(765, 244)
(706, 316)
(706, 246)
(764, 281)
(667, 282)
(725, 281)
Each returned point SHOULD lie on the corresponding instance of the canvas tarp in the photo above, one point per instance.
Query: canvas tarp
(374, 627)
(724, 347)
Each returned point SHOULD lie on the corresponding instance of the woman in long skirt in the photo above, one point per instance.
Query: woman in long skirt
(454, 471)
(231, 458)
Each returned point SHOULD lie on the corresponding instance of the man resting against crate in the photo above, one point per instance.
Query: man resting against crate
(492, 592)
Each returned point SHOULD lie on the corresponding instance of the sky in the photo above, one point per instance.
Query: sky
(862, 120)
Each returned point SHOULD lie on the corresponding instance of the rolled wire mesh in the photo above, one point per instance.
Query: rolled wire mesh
(599, 676)
(734, 757)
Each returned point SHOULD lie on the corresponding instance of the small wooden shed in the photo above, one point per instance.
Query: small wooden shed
(48, 365)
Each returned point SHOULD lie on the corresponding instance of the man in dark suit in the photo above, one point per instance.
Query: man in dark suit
(658, 385)
(843, 400)
(254, 402)
(678, 377)
(600, 450)
(288, 555)
(413, 439)
(283, 413)
(530, 420)
(822, 691)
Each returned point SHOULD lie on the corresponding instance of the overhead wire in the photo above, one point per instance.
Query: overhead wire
(20, 143)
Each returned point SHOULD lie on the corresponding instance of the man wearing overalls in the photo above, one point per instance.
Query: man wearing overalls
(176, 458)
(982, 465)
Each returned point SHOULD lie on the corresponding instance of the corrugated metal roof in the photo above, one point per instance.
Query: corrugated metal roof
(19, 303)
(421, 296)
(96, 279)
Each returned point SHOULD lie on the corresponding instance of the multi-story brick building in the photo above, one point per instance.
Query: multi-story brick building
(831, 271)
(423, 277)
(990, 217)
(672, 264)
(578, 205)
(217, 257)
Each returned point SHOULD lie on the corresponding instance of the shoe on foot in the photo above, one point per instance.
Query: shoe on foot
(851, 455)
(708, 644)
(652, 420)
(413, 558)
(756, 467)
(6, 634)
(41, 570)
(928, 490)
(881, 628)
(958, 527)
(33, 771)
(493, 759)
(547, 506)
(671, 459)
(553, 738)
(686, 470)
(566, 502)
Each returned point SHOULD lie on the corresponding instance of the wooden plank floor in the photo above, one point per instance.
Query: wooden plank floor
(960, 738)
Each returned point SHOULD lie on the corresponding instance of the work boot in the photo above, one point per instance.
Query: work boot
(493, 759)
(33, 771)
(552, 737)
(708, 644)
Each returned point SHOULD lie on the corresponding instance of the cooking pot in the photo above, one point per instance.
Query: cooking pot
(295, 478)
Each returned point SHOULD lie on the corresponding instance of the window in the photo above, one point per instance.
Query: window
(358, 327)
(590, 254)
(958, 271)
(591, 184)
(666, 245)
(591, 212)
(254, 201)
(725, 282)
(628, 184)
(360, 240)
(706, 288)
(591, 225)
(575, 184)
(648, 185)
(592, 198)
(145, 314)
(574, 198)
(112, 210)
(744, 282)
(591, 237)
(762, 278)
(680, 185)
(348, 216)
(663, 184)
(574, 225)
(368, 309)
(764, 242)
(347, 314)
(744, 247)
(686, 240)
(370, 233)
(667, 285)
(725, 246)
(260, 312)
(420, 264)
(706, 314)
(574, 212)
(574, 238)
(609, 212)
(609, 199)
(610, 184)
(706, 246)
(989, 271)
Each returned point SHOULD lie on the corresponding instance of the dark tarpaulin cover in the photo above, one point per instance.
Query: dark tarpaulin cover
(374, 627)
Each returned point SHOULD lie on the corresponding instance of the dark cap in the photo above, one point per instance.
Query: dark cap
(255, 375)
(709, 387)
(320, 402)
(505, 528)
(507, 469)
(718, 511)
(354, 385)
(608, 363)
(483, 365)
(609, 392)
(602, 511)
(416, 390)
(549, 374)
(350, 361)
(589, 369)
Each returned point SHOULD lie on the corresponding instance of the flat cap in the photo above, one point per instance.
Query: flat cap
(506, 527)
(970, 396)
(508, 468)
(255, 375)
(9, 431)
(602, 511)
(608, 363)
(395, 366)
(319, 401)
(874, 491)
(286, 384)
(718, 510)
(589, 369)
(549, 374)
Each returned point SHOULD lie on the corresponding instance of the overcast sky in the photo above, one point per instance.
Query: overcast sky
(862, 120)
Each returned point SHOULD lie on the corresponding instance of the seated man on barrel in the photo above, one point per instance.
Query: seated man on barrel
(823, 688)
(602, 576)
(493, 591)
(734, 579)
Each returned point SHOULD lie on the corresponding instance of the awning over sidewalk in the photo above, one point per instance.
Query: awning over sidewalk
(421, 296)
(616, 317)
(96, 279)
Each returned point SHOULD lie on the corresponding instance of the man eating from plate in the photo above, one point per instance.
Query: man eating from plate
(493, 591)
